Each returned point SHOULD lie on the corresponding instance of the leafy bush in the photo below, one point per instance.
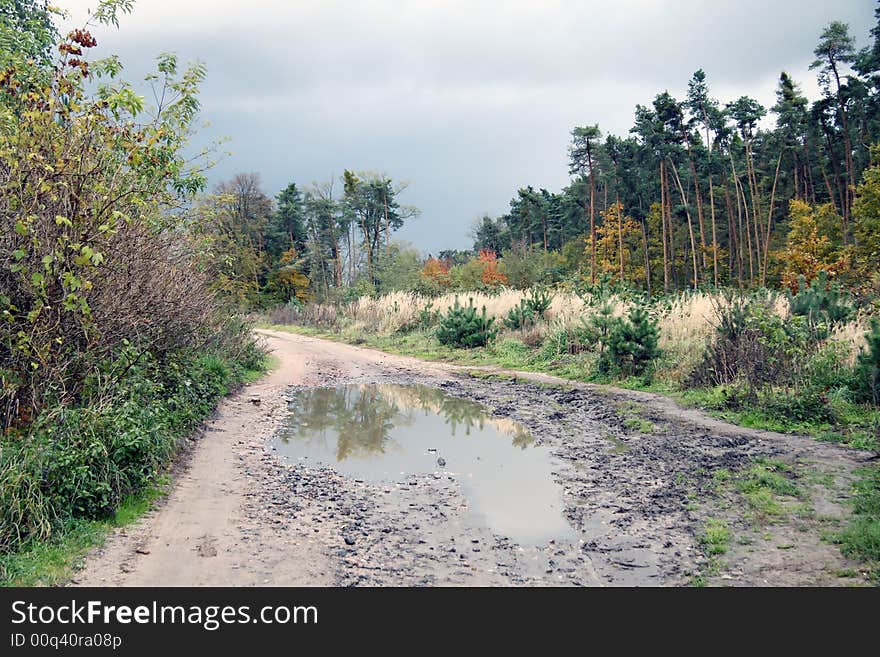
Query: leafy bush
(800, 405)
(81, 462)
(463, 327)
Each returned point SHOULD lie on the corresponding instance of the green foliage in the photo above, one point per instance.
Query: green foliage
(81, 462)
(538, 300)
(866, 380)
(861, 538)
(597, 327)
(397, 268)
(715, 537)
(866, 213)
(27, 32)
(765, 485)
(525, 267)
(822, 303)
(752, 344)
(520, 316)
(632, 344)
(463, 327)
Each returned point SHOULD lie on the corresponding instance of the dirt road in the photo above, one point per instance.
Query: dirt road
(641, 479)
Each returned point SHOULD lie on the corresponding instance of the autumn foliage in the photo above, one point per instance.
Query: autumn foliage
(491, 276)
(436, 271)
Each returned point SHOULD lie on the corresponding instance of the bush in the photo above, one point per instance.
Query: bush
(538, 301)
(866, 383)
(802, 405)
(822, 303)
(752, 344)
(520, 316)
(81, 462)
(632, 344)
(463, 327)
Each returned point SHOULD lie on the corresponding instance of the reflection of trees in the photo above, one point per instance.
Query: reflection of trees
(362, 416)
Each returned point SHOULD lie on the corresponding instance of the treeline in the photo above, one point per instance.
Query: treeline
(699, 194)
(309, 243)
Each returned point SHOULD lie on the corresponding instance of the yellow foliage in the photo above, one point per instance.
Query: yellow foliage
(616, 230)
(813, 243)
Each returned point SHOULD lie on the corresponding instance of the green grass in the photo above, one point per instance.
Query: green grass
(860, 539)
(52, 562)
(858, 426)
(767, 488)
(716, 537)
(47, 557)
(268, 363)
(638, 424)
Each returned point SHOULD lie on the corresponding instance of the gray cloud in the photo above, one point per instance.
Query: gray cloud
(466, 100)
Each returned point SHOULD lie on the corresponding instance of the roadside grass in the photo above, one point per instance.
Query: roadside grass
(52, 562)
(267, 364)
(858, 426)
(768, 489)
(50, 559)
(860, 539)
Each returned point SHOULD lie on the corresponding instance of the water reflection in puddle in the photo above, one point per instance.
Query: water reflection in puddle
(381, 433)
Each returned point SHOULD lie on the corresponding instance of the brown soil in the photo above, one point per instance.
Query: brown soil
(236, 515)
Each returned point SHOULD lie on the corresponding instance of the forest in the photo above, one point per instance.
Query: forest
(699, 195)
(724, 254)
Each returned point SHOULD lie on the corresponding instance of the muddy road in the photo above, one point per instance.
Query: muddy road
(613, 487)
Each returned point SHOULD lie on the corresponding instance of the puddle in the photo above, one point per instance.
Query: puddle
(382, 433)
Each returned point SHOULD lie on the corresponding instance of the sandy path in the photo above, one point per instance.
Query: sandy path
(236, 516)
(208, 533)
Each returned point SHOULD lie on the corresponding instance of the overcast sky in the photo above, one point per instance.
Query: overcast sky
(467, 101)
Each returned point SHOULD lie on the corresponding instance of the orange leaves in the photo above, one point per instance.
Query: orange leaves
(491, 276)
(436, 271)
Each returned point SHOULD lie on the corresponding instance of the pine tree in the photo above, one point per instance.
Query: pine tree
(463, 327)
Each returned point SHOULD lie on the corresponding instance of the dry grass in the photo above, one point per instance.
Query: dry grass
(686, 322)
(686, 328)
(852, 334)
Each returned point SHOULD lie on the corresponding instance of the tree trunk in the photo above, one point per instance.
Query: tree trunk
(848, 161)
(769, 221)
(592, 219)
(647, 255)
(663, 194)
(687, 213)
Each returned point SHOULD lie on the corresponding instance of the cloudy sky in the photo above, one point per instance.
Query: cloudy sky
(465, 100)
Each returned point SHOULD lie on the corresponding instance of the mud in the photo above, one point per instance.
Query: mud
(638, 476)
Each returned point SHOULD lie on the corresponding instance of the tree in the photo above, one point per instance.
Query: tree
(813, 243)
(866, 215)
(835, 49)
(286, 229)
(371, 202)
(581, 158)
(702, 107)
